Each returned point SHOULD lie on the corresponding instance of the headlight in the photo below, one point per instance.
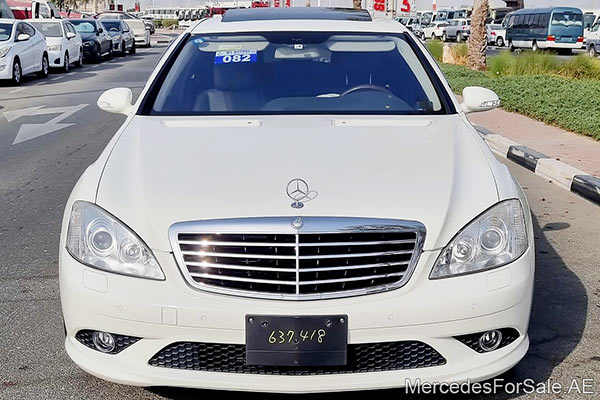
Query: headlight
(55, 47)
(495, 238)
(88, 43)
(117, 37)
(99, 240)
(4, 51)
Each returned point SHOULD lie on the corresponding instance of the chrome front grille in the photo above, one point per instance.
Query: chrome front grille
(324, 258)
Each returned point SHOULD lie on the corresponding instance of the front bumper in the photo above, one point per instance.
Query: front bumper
(56, 58)
(142, 40)
(164, 312)
(90, 51)
(6, 65)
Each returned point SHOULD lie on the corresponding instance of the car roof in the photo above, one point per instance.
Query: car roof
(269, 14)
(295, 19)
(544, 10)
(56, 20)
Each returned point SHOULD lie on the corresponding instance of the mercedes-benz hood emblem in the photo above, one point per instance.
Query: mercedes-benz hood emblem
(298, 190)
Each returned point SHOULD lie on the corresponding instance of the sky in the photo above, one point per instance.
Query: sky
(421, 4)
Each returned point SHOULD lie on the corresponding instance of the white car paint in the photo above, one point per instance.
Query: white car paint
(140, 33)
(496, 34)
(67, 45)
(29, 54)
(157, 171)
(435, 29)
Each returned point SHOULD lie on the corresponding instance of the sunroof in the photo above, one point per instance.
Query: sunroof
(266, 14)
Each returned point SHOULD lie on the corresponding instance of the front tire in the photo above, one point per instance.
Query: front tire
(592, 51)
(123, 50)
(45, 67)
(98, 55)
(444, 37)
(132, 50)
(66, 65)
(459, 37)
(17, 73)
(79, 62)
(511, 47)
(500, 42)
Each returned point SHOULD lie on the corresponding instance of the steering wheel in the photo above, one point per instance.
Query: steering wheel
(367, 87)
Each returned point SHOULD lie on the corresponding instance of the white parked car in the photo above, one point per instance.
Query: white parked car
(141, 33)
(247, 231)
(22, 51)
(64, 43)
(435, 30)
(496, 34)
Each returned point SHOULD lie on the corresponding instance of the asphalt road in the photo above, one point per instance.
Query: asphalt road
(36, 177)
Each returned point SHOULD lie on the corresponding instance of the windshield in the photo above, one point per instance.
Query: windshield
(84, 26)
(49, 29)
(136, 25)
(589, 19)
(290, 72)
(112, 26)
(5, 31)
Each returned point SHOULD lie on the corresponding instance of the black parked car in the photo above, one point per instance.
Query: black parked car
(96, 42)
(122, 35)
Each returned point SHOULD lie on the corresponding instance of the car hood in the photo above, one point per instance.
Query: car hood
(88, 36)
(166, 170)
(53, 40)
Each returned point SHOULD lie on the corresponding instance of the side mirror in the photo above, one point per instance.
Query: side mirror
(23, 37)
(100, 30)
(116, 101)
(71, 35)
(477, 99)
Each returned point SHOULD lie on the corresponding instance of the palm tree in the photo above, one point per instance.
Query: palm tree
(478, 39)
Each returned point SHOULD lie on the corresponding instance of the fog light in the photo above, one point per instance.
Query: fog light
(104, 341)
(490, 340)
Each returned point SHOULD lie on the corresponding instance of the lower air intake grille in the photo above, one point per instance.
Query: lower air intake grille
(368, 357)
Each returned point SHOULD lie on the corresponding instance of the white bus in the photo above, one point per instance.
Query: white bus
(161, 13)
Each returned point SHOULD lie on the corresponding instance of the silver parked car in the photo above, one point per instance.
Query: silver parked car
(458, 29)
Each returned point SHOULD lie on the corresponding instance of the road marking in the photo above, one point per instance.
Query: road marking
(57, 78)
(17, 90)
(32, 131)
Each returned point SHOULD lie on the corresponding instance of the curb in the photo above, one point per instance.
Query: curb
(560, 173)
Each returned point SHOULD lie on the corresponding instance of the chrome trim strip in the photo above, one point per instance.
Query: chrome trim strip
(246, 244)
(356, 255)
(238, 267)
(354, 279)
(238, 279)
(375, 242)
(282, 225)
(349, 267)
(236, 255)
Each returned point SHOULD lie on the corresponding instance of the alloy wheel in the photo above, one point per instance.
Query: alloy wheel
(17, 73)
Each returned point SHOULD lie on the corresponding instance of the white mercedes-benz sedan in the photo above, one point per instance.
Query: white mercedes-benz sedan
(296, 203)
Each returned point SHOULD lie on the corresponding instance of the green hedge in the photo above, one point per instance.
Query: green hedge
(571, 104)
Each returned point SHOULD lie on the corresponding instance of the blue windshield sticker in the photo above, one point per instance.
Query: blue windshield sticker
(199, 40)
(235, 57)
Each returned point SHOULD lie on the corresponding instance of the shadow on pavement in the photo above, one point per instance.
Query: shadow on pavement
(557, 322)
